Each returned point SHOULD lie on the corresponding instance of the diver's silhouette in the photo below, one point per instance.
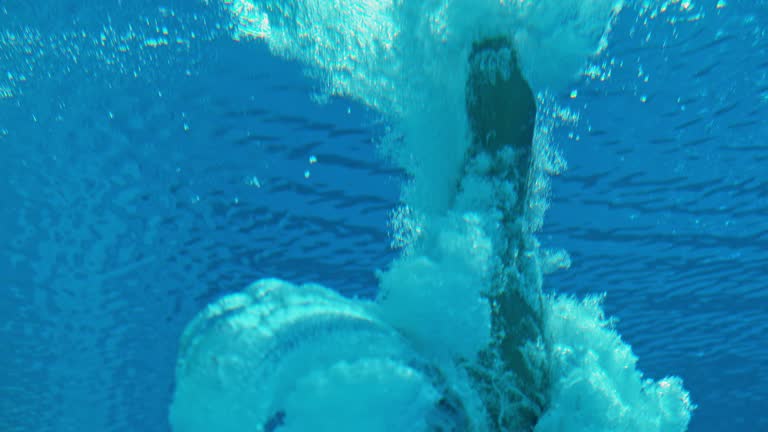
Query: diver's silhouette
(501, 110)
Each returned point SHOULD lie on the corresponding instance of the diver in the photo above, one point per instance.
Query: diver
(501, 110)
(277, 356)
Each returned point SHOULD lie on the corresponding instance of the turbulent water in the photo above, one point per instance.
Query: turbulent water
(130, 216)
(472, 254)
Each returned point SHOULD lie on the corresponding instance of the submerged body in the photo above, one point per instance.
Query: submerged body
(501, 110)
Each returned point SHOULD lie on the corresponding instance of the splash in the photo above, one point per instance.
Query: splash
(461, 336)
(408, 59)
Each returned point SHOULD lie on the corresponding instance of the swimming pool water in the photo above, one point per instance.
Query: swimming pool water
(152, 163)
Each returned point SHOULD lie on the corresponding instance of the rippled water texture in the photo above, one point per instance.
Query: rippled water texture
(151, 163)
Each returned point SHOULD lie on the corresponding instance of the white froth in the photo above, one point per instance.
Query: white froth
(437, 300)
(597, 386)
(297, 354)
(408, 59)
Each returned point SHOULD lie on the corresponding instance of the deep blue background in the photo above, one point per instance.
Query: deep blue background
(129, 200)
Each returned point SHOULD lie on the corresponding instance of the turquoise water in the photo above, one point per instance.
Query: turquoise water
(160, 158)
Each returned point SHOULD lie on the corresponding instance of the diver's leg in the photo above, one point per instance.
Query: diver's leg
(502, 110)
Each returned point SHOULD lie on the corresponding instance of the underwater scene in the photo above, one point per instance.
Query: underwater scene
(384, 215)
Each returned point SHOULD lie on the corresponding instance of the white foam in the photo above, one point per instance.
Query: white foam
(437, 300)
(243, 359)
(408, 59)
(597, 386)
(341, 398)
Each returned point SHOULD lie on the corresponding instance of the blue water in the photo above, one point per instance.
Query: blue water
(141, 180)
